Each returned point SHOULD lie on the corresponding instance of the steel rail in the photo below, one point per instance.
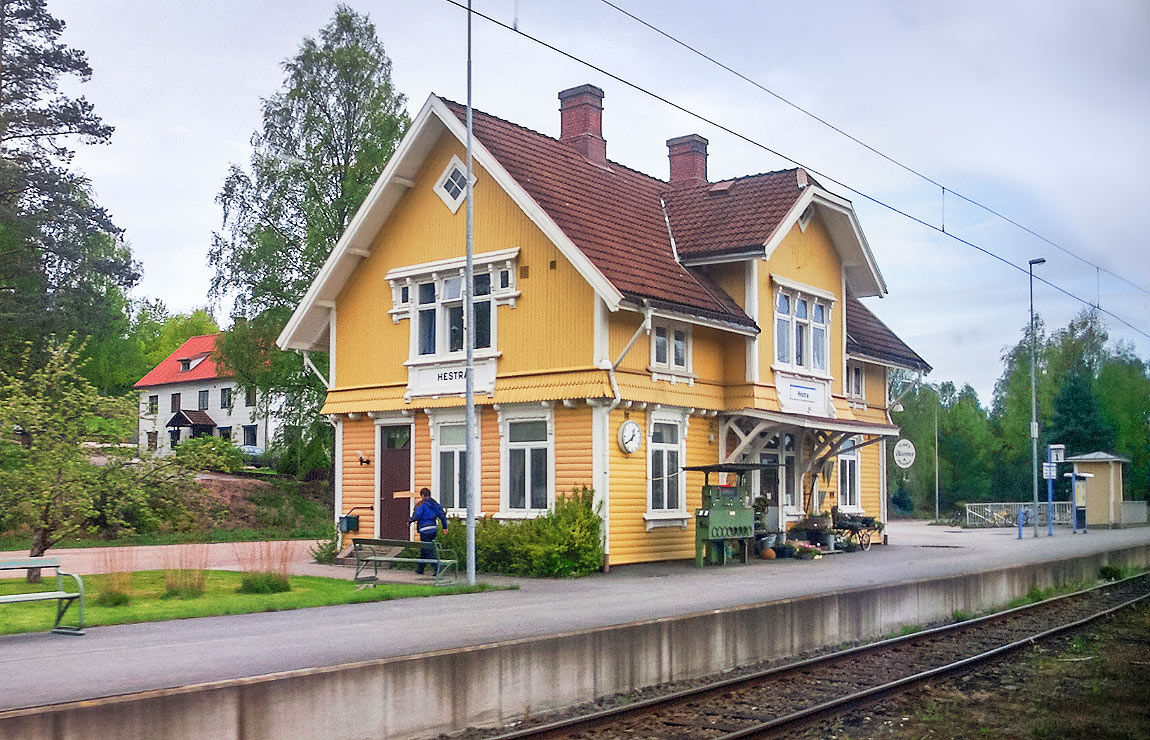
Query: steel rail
(647, 706)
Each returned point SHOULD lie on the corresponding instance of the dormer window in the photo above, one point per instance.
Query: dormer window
(185, 365)
(452, 184)
(670, 351)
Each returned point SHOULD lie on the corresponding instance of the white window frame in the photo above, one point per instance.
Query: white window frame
(856, 391)
(813, 296)
(790, 495)
(668, 369)
(453, 203)
(851, 461)
(507, 416)
(677, 517)
(453, 417)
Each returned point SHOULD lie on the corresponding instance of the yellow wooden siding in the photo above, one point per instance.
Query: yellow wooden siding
(421, 440)
(870, 482)
(732, 278)
(359, 480)
(808, 257)
(372, 348)
(630, 540)
(489, 460)
(875, 382)
(573, 456)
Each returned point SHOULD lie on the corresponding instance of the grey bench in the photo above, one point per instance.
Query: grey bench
(371, 553)
(63, 598)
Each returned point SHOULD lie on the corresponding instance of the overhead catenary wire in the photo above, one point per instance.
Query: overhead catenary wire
(873, 150)
(758, 144)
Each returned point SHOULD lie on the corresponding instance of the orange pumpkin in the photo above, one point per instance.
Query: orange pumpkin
(768, 554)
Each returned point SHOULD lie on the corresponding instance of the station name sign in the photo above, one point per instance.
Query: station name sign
(450, 378)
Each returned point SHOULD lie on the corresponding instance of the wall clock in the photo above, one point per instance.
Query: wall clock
(630, 436)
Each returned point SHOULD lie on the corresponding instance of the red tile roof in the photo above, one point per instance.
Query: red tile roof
(613, 214)
(869, 337)
(168, 371)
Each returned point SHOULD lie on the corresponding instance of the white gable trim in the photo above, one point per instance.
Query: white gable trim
(356, 240)
(835, 204)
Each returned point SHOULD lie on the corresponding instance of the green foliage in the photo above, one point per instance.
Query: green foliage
(1078, 422)
(566, 541)
(325, 138)
(210, 453)
(1110, 573)
(113, 597)
(264, 583)
(326, 552)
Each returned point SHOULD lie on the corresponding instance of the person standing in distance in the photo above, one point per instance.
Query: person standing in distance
(427, 513)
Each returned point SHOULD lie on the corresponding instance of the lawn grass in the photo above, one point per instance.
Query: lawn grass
(217, 534)
(220, 597)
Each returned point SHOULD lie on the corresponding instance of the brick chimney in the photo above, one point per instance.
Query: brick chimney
(688, 155)
(581, 122)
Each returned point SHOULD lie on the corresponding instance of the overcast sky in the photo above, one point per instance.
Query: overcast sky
(1040, 109)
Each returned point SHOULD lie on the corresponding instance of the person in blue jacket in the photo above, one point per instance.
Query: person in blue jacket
(427, 513)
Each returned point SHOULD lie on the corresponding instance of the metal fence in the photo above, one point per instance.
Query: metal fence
(1007, 514)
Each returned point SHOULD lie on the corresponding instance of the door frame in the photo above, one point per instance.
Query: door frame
(393, 420)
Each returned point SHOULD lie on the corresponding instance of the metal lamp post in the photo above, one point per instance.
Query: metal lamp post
(1034, 395)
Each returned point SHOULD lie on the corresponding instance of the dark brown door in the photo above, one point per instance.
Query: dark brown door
(394, 475)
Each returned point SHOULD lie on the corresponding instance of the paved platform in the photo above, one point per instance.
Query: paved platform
(41, 668)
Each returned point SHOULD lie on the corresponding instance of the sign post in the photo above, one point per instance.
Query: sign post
(1054, 455)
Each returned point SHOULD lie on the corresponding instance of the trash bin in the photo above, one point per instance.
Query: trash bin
(1080, 517)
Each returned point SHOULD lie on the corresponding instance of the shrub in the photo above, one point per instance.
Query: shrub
(185, 571)
(1110, 573)
(565, 542)
(264, 583)
(325, 552)
(210, 453)
(113, 597)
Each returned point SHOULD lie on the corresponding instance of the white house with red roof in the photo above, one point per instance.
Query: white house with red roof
(188, 395)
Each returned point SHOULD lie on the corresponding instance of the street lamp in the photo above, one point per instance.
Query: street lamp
(1034, 396)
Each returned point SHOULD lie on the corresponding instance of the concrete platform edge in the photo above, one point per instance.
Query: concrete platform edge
(498, 683)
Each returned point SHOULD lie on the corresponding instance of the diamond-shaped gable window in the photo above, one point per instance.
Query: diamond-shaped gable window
(452, 184)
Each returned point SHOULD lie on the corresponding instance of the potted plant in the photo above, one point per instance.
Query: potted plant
(806, 552)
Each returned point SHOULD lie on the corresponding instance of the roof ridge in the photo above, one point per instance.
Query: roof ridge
(521, 127)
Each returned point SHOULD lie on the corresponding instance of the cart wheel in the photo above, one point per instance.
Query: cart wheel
(864, 539)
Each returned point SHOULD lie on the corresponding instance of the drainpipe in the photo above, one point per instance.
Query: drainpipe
(644, 327)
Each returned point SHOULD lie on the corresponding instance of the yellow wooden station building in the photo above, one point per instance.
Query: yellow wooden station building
(625, 326)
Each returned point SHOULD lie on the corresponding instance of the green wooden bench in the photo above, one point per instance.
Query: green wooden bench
(64, 599)
(371, 553)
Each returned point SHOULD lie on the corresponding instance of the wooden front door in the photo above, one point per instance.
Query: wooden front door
(394, 475)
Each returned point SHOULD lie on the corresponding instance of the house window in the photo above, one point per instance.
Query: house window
(856, 381)
(225, 433)
(528, 462)
(175, 402)
(185, 365)
(202, 401)
(452, 459)
(788, 477)
(666, 480)
(153, 441)
(452, 184)
(153, 404)
(174, 438)
(250, 397)
(225, 398)
(802, 331)
(250, 435)
(440, 315)
(671, 348)
(849, 475)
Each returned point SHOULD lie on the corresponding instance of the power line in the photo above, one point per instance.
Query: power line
(868, 147)
(764, 147)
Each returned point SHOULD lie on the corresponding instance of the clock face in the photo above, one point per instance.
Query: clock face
(630, 436)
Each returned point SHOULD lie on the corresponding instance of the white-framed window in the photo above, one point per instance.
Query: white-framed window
(225, 398)
(202, 400)
(671, 347)
(856, 382)
(451, 186)
(527, 464)
(802, 331)
(449, 459)
(849, 476)
(788, 475)
(431, 297)
(666, 482)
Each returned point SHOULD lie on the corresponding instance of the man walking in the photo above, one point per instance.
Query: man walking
(427, 513)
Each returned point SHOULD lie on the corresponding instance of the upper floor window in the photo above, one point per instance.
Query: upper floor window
(802, 331)
(451, 186)
(185, 365)
(671, 347)
(225, 398)
(202, 401)
(153, 404)
(175, 402)
(250, 397)
(856, 381)
(441, 315)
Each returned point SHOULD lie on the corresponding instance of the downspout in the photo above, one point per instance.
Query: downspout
(644, 327)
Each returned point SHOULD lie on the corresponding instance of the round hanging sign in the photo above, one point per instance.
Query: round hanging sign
(904, 453)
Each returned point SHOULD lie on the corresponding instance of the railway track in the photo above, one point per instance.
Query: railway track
(779, 700)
